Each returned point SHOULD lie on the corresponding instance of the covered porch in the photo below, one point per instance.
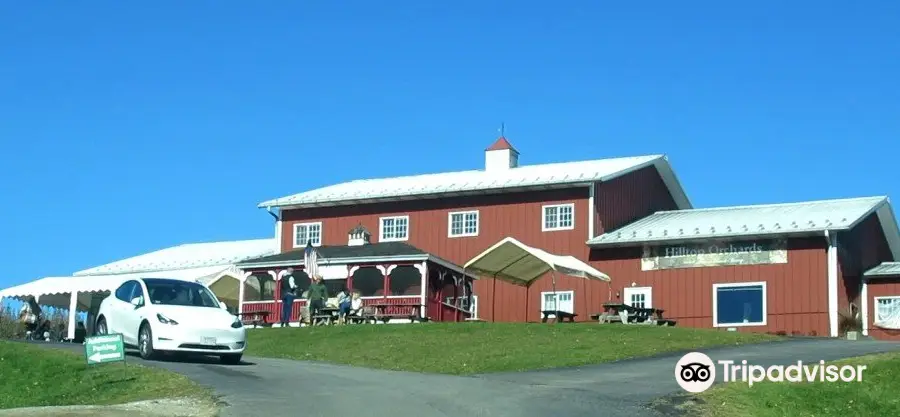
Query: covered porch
(399, 279)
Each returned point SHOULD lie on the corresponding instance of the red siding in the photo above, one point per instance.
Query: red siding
(796, 292)
(881, 287)
(630, 198)
(518, 215)
(861, 249)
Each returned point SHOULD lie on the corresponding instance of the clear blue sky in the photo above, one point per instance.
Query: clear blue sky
(128, 128)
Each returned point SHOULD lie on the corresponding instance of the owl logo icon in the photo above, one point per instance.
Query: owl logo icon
(695, 372)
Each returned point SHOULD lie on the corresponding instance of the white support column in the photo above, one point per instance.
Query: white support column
(73, 313)
(423, 271)
(242, 282)
(864, 294)
(278, 236)
(592, 211)
(832, 283)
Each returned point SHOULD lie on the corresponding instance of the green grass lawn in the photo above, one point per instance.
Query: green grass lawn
(469, 348)
(32, 376)
(875, 395)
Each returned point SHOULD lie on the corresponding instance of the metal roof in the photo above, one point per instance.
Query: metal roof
(188, 256)
(755, 221)
(525, 177)
(885, 269)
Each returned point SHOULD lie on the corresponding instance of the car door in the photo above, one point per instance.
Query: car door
(132, 315)
(118, 308)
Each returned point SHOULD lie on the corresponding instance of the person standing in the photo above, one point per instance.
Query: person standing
(288, 294)
(317, 295)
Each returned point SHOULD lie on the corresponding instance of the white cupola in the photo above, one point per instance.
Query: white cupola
(500, 156)
(358, 236)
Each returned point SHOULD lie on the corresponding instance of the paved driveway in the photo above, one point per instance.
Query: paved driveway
(273, 387)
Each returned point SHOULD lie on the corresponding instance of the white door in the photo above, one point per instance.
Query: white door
(563, 301)
(639, 297)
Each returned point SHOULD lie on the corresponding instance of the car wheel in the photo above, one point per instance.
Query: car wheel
(101, 327)
(145, 342)
(230, 359)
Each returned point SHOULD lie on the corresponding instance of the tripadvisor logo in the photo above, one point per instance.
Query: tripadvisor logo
(695, 372)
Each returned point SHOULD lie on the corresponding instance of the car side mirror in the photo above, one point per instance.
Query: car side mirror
(137, 301)
(223, 306)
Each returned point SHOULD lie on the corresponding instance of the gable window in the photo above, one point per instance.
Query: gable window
(558, 217)
(739, 304)
(463, 223)
(307, 232)
(394, 229)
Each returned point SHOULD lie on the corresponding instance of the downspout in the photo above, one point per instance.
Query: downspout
(277, 228)
(832, 268)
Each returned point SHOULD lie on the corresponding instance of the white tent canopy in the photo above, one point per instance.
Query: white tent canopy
(77, 292)
(514, 262)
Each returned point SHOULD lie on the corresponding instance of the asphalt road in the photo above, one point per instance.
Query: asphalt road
(274, 387)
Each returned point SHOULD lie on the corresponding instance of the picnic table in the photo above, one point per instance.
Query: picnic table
(326, 316)
(624, 313)
(374, 313)
(561, 316)
(256, 318)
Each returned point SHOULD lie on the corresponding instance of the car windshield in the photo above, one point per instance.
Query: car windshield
(179, 293)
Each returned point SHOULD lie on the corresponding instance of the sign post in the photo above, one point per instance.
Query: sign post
(104, 349)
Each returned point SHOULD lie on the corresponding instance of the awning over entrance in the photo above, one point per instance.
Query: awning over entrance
(514, 262)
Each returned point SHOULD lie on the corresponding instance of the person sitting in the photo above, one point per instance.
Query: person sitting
(31, 315)
(343, 301)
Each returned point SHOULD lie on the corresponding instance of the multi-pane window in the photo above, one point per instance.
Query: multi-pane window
(394, 228)
(463, 223)
(887, 312)
(559, 217)
(307, 232)
(558, 301)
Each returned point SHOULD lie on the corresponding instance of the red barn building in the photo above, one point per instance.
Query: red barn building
(792, 268)
(881, 301)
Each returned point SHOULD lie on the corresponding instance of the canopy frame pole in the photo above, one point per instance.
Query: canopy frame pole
(555, 298)
(494, 299)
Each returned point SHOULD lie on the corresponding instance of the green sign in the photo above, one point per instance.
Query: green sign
(103, 349)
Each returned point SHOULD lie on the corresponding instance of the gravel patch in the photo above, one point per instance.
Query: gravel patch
(176, 407)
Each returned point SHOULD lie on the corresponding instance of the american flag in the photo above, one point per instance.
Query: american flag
(310, 257)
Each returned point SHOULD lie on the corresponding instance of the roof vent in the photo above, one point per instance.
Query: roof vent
(358, 236)
(500, 156)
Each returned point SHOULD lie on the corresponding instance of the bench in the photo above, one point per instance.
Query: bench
(320, 319)
(561, 316)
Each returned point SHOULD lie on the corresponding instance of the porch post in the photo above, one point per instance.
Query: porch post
(241, 281)
(423, 271)
(73, 312)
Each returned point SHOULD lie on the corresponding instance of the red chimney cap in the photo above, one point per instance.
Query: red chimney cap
(501, 144)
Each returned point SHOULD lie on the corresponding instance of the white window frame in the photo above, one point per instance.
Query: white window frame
(381, 237)
(715, 303)
(307, 224)
(544, 208)
(648, 298)
(875, 307)
(463, 214)
(544, 299)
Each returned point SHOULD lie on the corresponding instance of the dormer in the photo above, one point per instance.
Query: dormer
(358, 236)
(500, 156)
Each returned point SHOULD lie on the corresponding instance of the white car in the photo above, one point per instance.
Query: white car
(169, 315)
